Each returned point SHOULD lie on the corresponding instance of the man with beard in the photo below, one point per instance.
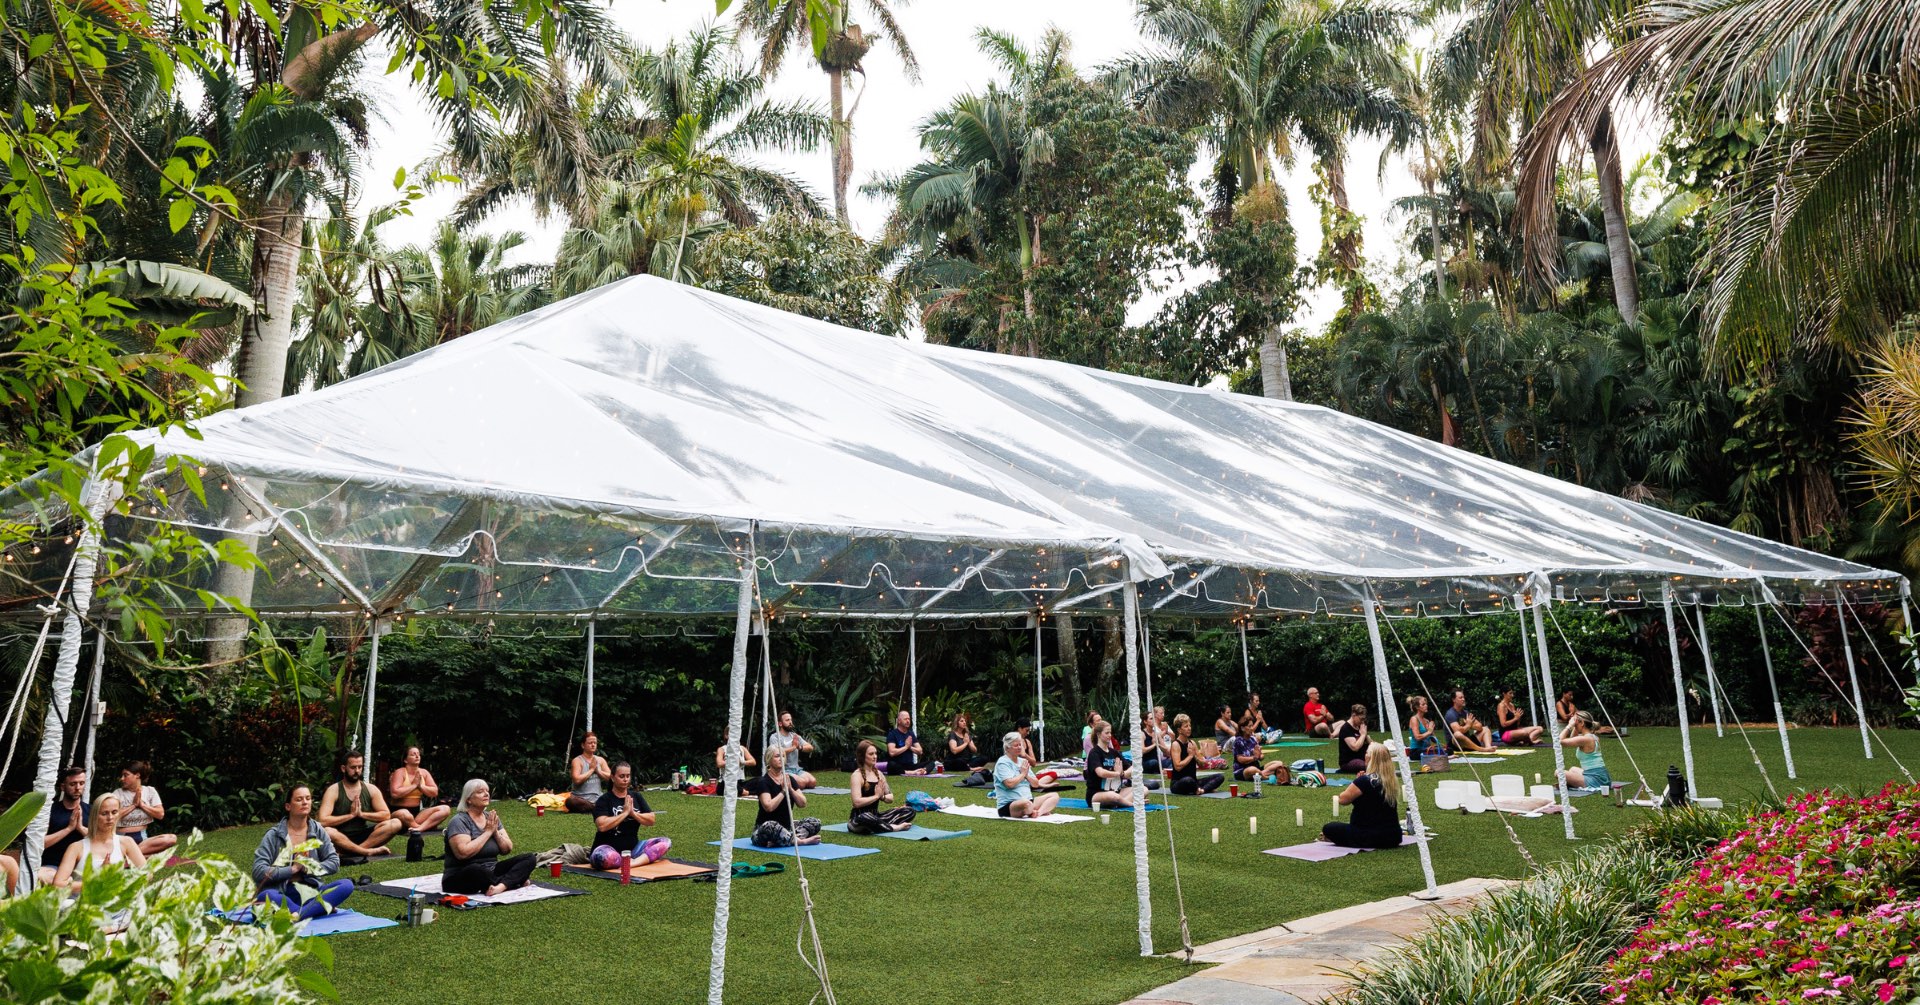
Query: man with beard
(355, 814)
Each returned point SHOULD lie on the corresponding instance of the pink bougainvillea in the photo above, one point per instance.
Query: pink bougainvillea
(1817, 902)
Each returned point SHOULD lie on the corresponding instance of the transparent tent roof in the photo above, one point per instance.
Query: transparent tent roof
(621, 453)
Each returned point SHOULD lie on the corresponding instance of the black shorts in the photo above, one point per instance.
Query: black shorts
(1007, 810)
(356, 831)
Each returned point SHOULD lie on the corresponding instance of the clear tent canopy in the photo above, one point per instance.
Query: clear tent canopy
(622, 453)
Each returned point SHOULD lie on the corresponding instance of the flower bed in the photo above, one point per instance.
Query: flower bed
(1819, 901)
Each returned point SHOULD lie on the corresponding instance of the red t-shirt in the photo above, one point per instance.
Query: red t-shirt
(1312, 709)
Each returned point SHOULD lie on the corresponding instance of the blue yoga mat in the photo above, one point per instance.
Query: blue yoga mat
(1081, 804)
(344, 921)
(811, 852)
(914, 833)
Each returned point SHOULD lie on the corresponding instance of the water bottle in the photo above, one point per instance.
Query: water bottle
(1257, 776)
(415, 902)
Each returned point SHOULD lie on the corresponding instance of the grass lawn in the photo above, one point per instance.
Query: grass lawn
(935, 921)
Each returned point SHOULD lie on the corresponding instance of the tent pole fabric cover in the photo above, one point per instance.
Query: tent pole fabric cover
(97, 496)
(730, 783)
(1773, 688)
(1400, 758)
(1143, 887)
(616, 453)
(1553, 717)
(1853, 672)
(1680, 695)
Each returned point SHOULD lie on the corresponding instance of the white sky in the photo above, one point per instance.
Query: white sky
(886, 137)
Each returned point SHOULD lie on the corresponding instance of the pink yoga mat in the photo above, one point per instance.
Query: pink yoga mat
(1320, 851)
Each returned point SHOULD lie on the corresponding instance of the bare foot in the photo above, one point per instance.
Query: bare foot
(496, 889)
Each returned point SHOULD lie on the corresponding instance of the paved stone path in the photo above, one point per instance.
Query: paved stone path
(1295, 964)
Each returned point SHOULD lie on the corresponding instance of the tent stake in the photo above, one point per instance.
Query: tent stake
(1713, 679)
(1130, 595)
(730, 779)
(1853, 672)
(1680, 692)
(1553, 715)
(1779, 716)
(1392, 718)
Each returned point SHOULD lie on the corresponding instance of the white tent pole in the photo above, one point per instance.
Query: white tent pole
(1706, 656)
(96, 497)
(1526, 659)
(373, 681)
(736, 696)
(1039, 692)
(1779, 716)
(1392, 717)
(1680, 692)
(913, 678)
(93, 693)
(590, 647)
(1131, 630)
(1553, 712)
(1146, 665)
(1853, 672)
(1246, 672)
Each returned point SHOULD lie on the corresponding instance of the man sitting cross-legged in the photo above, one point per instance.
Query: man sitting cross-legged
(355, 814)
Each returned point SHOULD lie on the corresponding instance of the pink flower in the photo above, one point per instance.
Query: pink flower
(1884, 992)
(1898, 961)
(1843, 980)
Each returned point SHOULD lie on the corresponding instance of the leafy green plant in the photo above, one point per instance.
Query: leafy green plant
(171, 949)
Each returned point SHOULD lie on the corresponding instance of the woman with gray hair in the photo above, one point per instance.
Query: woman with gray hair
(475, 841)
(1013, 782)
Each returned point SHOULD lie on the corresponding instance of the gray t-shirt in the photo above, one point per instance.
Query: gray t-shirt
(789, 742)
(589, 788)
(464, 825)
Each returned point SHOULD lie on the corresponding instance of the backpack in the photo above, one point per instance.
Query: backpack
(920, 802)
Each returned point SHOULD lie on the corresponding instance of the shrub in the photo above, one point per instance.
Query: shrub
(1811, 902)
(52, 950)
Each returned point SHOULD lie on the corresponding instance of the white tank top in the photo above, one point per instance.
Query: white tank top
(117, 856)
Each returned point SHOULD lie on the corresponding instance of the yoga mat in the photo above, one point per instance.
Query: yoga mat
(1081, 804)
(1295, 743)
(1473, 760)
(1514, 751)
(990, 813)
(430, 885)
(342, 921)
(914, 833)
(1321, 851)
(827, 790)
(811, 852)
(652, 872)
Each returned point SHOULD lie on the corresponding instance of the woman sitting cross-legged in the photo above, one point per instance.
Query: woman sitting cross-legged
(776, 826)
(294, 859)
(1513, 728)
(475, 841)
(1426, 733)
(1375, 798)
(1185, 759)
(104, 847)
(1350, 741)
(1106, 769)
(1244, 753)
(414, 791)
(1592, 772)
(1013, 783)
(871, 792)
(963, 754)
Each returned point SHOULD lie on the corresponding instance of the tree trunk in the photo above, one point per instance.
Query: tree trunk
(261, 365)
(1029, 254)
(1449, 429)
(1613, 205)
(1439, 264)
(1275, 381)
(1346, 247)
(842, 145)
(1069, 657)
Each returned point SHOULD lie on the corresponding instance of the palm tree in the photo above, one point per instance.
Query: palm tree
(1254, 77)
(1819, 234)
(839, 46)
(295, 62)
(981, 150)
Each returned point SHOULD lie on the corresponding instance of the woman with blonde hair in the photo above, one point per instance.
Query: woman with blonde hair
(1184, 757)
(1592, 770)
(103, 848)
(1375, 798)
(1426, 735)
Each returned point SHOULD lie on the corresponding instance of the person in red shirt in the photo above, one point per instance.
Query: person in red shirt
(1319, 719)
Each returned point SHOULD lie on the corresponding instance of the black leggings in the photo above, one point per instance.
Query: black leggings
(1194, 785)
(868, 822)
(475, 877)
(1347, 835)
(1353, 766)
(902, 764)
